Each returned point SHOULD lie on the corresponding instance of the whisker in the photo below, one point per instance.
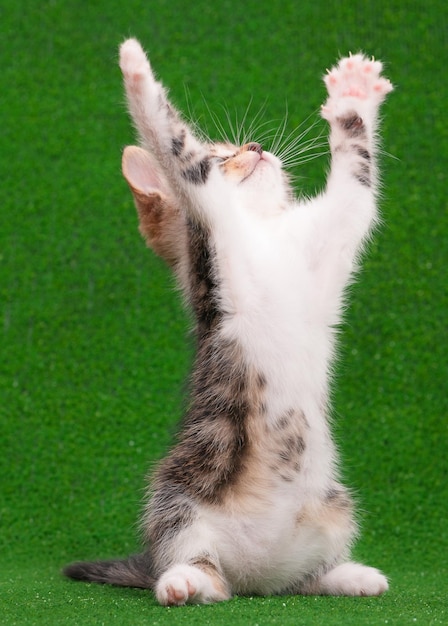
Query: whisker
(303, 160)
(233, 131)
(389, 155)
(193, 118)
(217, 123)
(255, 125)
(293, 149)
(291, 140)
(266, 136)
(285, 139)
(278, 138)
(301, 148)
(241, 136)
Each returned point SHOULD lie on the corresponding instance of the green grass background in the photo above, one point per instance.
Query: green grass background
(93, 347)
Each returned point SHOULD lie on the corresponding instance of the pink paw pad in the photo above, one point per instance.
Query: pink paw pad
(176, 595)
(356, 77)
(354, 92)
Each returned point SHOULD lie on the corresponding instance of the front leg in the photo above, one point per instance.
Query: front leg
(355, 92)
(340, 219)
(183, 158)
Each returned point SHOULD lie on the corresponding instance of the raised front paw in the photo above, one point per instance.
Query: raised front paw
(356, 81)
(133, 60)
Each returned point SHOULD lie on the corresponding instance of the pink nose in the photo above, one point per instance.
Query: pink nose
(254, 147)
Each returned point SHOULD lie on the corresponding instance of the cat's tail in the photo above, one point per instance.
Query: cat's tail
(134, 571)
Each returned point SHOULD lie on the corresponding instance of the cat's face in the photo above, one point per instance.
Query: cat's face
(255, 175)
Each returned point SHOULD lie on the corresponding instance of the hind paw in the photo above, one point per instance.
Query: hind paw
(184, 584)
(353, 579)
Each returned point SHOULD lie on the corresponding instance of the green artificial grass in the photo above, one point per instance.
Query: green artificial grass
(93, 336)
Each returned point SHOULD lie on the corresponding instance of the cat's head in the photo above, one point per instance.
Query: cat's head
(247, 177)
(250, 176)
(248, 163)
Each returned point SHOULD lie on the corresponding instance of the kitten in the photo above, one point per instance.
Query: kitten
(249, 501)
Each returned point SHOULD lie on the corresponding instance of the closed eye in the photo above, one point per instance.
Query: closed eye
(222, 158)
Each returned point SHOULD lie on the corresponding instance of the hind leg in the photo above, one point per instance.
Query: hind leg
(352, 579)
(199, 582)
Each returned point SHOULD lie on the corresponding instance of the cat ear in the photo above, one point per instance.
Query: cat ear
(141, 172)
(160, 221)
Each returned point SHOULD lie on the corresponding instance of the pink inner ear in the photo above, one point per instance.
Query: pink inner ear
(140, 171)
